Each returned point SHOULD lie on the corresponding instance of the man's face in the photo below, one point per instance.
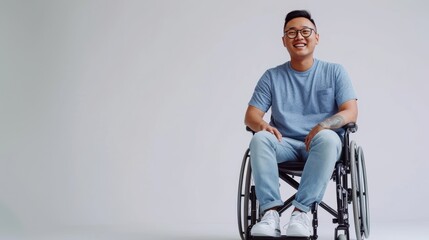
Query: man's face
(300, 47)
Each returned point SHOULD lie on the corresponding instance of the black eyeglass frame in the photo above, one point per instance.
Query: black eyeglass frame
(285, 33)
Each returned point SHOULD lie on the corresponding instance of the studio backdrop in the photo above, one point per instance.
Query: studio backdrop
(128, 115)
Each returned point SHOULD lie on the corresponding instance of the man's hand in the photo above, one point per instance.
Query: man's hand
(254, 119)
(273, 131)
(311, 135)
(347, 113)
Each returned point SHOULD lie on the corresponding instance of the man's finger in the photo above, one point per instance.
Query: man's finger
(307, 143)
(278, 135)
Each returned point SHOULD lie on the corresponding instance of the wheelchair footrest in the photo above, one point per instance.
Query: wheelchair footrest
(282, 237)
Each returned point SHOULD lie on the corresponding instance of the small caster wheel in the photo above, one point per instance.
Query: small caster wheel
(342, 237)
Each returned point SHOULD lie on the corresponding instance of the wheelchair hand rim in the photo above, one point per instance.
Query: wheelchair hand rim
(364, 194)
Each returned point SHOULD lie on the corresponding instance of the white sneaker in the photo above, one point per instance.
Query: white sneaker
(269, 225)
(299, 225)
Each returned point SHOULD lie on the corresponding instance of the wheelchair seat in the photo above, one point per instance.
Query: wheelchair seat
(293, 168)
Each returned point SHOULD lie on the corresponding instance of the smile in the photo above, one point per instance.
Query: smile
(300, 45)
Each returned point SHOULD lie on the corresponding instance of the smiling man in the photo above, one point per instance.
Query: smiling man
(310, 101)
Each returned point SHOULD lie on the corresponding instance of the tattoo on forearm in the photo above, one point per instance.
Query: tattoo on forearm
(333, 122)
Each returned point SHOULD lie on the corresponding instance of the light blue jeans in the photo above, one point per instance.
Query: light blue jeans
(266, 152)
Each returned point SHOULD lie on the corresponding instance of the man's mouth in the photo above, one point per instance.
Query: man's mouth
(300, 45)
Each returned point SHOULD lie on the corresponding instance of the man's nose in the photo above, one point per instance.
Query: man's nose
(299, 35)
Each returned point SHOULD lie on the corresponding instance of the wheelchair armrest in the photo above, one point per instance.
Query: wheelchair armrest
(250, 130)
(350, 127)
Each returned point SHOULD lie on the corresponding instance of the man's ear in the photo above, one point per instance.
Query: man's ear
(284, 41)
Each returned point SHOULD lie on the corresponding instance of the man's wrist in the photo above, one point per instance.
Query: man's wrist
(263, 125)
(323, 125)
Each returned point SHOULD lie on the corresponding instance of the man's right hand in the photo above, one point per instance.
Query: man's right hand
(273, 131)
(254, 119)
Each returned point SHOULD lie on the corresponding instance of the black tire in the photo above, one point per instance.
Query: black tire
(341, 237)
(363, 192)
(246, 214)
(360, 196)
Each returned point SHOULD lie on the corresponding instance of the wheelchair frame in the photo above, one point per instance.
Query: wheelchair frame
(349, 176)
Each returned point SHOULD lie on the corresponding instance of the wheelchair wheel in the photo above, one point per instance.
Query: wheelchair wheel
(360, 196)
(247, 204)
(342, 237)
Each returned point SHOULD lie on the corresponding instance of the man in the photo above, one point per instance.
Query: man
(310, 101)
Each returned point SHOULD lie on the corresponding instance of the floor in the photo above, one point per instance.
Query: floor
(387, 231)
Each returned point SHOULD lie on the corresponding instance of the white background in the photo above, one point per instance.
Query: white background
(127, 116)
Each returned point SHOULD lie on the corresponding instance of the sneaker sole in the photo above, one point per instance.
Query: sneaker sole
(265, 233)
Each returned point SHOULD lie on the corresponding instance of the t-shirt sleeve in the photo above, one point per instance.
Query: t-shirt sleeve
(344, 90)
(261, 97)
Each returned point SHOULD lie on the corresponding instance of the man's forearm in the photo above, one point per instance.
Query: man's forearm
(254, 119)
(333, 122)
(347, 113)
(256, 125)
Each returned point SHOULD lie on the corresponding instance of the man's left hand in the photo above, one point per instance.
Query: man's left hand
(310, 136)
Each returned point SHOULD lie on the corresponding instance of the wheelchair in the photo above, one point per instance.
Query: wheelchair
(350, 180)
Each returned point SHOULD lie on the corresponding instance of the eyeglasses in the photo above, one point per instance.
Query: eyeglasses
(305, 32)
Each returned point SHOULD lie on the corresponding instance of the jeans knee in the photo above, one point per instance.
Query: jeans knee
(328, 138)
(262, 138)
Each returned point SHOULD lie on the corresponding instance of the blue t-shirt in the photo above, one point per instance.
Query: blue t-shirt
(300, 100)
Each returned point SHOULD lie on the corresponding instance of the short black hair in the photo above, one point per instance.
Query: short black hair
(297, 14)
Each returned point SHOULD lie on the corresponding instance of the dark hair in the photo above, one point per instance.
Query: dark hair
(297, 14)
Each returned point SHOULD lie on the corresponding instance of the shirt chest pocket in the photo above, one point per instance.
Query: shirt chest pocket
(326, 100)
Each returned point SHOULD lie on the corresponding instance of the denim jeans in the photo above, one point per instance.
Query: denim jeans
(266, 152)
